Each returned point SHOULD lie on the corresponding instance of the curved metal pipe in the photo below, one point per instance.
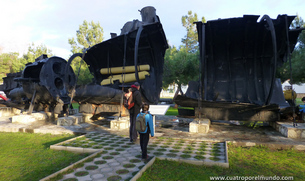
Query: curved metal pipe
(136, 49)
(68, 65)
(66, 80)
(273, 38)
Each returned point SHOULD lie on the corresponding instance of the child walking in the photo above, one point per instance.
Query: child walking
(144, 136)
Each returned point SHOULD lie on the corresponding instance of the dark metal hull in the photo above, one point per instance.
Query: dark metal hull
(238, 61)
(120, 51)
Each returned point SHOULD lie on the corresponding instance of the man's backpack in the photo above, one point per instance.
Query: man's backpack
(141, 123)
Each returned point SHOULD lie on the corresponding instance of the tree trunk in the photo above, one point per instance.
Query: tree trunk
(178, 90)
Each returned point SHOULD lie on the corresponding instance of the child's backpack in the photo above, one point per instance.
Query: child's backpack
(141, 123)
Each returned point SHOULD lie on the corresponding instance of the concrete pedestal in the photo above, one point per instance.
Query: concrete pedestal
(51, 116)
(200, 125)
(119, 124)
(85, 117)
(287, 129)
(23, 119)
(70, 120)
(66, 121)
(9, 111)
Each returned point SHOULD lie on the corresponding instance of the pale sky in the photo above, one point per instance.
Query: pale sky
(53, 22)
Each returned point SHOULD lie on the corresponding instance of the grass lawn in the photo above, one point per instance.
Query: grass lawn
(298, 101)
(26, 156)
(171, 111)
(254, 161)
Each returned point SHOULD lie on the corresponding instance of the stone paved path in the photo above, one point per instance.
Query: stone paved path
(121, 160)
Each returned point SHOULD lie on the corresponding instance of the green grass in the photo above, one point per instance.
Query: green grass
(252, 161)
(298, 101)
(172, 111)
(26, 156)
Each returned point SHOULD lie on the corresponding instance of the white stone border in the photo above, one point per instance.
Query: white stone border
(59, 146)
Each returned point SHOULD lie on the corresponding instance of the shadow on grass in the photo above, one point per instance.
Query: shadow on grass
(48, 144)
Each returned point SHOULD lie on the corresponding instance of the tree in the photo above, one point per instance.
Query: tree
(33, 53)
(298, 22)
(297, 58)
(11, 63)
(180, 67)
(8, 63)
(168, 78)
(88, 35)
(190, 40)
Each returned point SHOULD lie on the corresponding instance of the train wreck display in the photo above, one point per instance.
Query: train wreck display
(238, 61)
(40, 86)
(136, 55)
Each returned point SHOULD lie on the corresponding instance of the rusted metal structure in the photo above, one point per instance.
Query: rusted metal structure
(118, 62)
(41, 83)
(239, 57)
(136, 55)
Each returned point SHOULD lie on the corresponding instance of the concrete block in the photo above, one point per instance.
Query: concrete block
(51, 116)
(78, 119)
(288, 130)
(200, 125)
(73, 111)
(119, 124)
(85, 117)
(299, 147)
(303, 134)
(5, 111)
(65, 121)
(41, 116)
(16, 111)
(23, 119)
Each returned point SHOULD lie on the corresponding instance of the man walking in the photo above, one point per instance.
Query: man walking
(134, 111)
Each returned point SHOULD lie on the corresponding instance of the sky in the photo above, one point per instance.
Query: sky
(53, 22)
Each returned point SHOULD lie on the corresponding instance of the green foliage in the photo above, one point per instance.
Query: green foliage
(33, 53)
(9, 63)
(190, 41)
(180, 67)
(168, 76)
(88, 35)
(297, 58)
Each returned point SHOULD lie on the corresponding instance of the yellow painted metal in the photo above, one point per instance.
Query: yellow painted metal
(128, 69)
(127, 78)
(288, 94)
